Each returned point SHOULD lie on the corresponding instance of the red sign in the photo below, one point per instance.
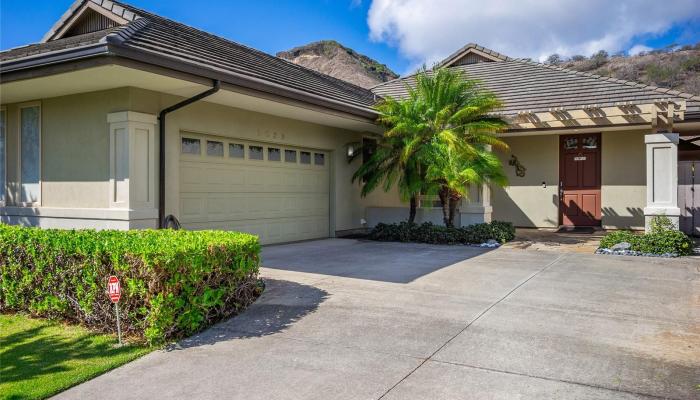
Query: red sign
(114, 289)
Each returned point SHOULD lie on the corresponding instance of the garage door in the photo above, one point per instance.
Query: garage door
(279, 193)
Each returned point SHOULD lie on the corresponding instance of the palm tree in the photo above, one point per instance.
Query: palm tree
(438, 139)
(391, 164)
(463, 127)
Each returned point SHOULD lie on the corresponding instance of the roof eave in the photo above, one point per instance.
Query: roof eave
(113, 49)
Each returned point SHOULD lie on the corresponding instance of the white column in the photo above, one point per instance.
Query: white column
(662, 177)
(132, 156)
(477, 208)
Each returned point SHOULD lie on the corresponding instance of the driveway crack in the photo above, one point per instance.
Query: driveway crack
(481, 314)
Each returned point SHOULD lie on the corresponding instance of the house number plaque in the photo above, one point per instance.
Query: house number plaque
(580, 158)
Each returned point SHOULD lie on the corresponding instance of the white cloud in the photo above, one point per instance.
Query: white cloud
(638, 48)
(429, 30)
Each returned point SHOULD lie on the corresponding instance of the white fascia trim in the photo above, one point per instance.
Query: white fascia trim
(80, 213)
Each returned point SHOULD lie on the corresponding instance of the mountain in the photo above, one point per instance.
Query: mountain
(677, 69)
(336, 60)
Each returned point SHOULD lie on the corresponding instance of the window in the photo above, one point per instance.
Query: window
(273, 154)
(215, 149)
(3, 140)
(190, 146)
(305, 157)
(571, 143)
(30, 155)
(290, 156)
(590, 142)
(236, 150)
(255, 152)
(319, 158)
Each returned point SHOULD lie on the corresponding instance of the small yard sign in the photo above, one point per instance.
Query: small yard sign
(114, 289)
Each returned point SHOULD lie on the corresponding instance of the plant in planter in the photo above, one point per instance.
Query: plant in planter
(663, 239)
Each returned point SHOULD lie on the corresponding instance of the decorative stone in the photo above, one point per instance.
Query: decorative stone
(621, 246)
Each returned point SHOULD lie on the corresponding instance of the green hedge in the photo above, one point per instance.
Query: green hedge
(438, 234)
(657, 242)
(174, 283)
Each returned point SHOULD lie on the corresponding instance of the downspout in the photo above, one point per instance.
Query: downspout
(161, 146)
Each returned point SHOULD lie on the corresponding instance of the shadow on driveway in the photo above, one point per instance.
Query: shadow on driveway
(282, 304)
(361, 259)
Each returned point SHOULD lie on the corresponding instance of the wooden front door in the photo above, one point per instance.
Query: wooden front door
(579, 180)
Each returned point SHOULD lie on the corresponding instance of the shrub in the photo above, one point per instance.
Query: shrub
(174, 283)
(437, 234)
(662, 238)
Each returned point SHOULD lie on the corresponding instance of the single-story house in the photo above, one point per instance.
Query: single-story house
(124, 119)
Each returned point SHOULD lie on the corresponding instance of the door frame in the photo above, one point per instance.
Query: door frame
(560, 189)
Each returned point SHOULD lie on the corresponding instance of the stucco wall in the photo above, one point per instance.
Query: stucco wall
(623, 186)
(74, 149)
(525, 202)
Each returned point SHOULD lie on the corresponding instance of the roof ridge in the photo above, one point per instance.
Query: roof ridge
(640, 85)
(124, 32)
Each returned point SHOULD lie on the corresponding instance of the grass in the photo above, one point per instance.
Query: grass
(39, 358)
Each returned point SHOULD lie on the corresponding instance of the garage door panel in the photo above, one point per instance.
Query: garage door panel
(276, 200)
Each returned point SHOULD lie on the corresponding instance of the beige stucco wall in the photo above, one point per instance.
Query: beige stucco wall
(213, 119)
(75, 159)
(623, 183)
(525, 202)
(74, 149)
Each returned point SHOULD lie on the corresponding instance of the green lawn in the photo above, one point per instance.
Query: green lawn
(39, 358)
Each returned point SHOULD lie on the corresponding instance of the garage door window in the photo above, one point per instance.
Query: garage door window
(215, 149)
(236, 150)
(273, 154)
(305, 157)
(319, 158)
(255, 152)
(190, 146)
(290, 156)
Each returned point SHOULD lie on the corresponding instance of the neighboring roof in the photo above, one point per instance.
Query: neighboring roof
(155, 38)
(524, 85)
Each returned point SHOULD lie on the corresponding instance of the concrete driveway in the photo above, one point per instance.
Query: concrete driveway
(344, 319)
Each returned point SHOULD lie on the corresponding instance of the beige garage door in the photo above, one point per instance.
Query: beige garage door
(279, 193)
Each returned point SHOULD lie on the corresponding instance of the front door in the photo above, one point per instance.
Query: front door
(579, 180)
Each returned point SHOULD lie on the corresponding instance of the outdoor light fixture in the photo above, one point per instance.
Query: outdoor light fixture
(351, 150)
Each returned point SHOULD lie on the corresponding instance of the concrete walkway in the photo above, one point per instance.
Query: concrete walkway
(344, 319)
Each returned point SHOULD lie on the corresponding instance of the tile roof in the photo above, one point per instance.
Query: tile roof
(55, 45)
(157, 36)
(524, 85)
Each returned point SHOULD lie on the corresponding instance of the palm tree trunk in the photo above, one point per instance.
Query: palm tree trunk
(444, 194)
(454, 202)
(413, 205)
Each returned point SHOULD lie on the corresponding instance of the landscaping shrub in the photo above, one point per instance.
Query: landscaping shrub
(437, 234)
(662, 238)
(174, 283)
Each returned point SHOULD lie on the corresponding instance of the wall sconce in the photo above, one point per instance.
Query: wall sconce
(351, 150)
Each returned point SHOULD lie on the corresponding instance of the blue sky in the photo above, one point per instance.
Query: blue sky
(401, 33)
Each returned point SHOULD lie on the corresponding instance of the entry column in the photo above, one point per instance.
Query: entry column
(662, 177)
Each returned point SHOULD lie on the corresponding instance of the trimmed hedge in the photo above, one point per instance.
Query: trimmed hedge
(428, 232)
(657, 242)
(174, 283)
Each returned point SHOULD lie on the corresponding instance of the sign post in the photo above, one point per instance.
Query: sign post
(114, 290)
